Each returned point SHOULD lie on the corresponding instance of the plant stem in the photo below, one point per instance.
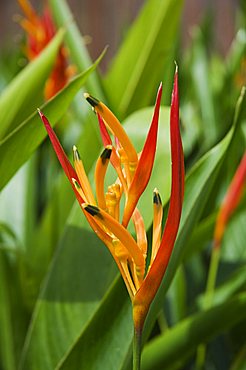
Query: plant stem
(208, 300)
(212, 275)
(137, 349)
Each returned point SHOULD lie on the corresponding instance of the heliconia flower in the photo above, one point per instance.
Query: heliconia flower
(40, 30)
(102, 210)
(230, 202)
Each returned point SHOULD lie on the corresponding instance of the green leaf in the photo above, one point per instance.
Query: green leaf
(202, 235)
(7, 352)
(176, 296)
(143, 59)
(75, 43)
(97, 339)
(70, 298)
(16, 148)
(20, 95)
(17, 203)
(183, 338)
(202, 85)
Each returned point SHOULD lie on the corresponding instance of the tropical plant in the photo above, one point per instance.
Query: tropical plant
(63, 303)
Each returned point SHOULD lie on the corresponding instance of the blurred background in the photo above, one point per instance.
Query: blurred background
(104, 22)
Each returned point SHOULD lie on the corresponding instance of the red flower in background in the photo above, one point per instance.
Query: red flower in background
(40, 30)
(230, 201)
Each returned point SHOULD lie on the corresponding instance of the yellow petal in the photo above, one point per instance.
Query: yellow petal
(117, 129)
(83, 179)
(157, 224)
(120, 233)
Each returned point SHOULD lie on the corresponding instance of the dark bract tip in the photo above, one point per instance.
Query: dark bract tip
(156, 198)
(93, 101)
(106, 154)
(93, 210)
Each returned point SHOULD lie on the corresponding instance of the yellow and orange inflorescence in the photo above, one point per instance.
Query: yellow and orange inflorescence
(133, 170)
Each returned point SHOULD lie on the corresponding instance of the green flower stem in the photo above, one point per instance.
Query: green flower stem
(137, 340)
(212, 275)
(208, 300)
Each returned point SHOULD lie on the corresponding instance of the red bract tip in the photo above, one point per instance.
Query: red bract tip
(231, 201)
(104, 132)
(64, 161)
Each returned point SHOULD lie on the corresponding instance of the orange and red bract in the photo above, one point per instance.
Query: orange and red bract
(102, 211)
(152, 281)
(145, 164)
(231, 201)
(40, 30)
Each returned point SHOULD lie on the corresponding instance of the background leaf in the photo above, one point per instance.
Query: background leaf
(21, 143)
(6, 338)
(18, 100)
(75, 43)
(143, 59)
(187, 334)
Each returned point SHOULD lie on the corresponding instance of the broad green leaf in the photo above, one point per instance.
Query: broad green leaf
(114, 309)
(75, 43)
(8, 361)
(17, 203)
(202, 86)
(21, 93)
(182, 339)
(144, 58)
(177, 296)
(21, 143)
(202, 235)
(70, 298)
